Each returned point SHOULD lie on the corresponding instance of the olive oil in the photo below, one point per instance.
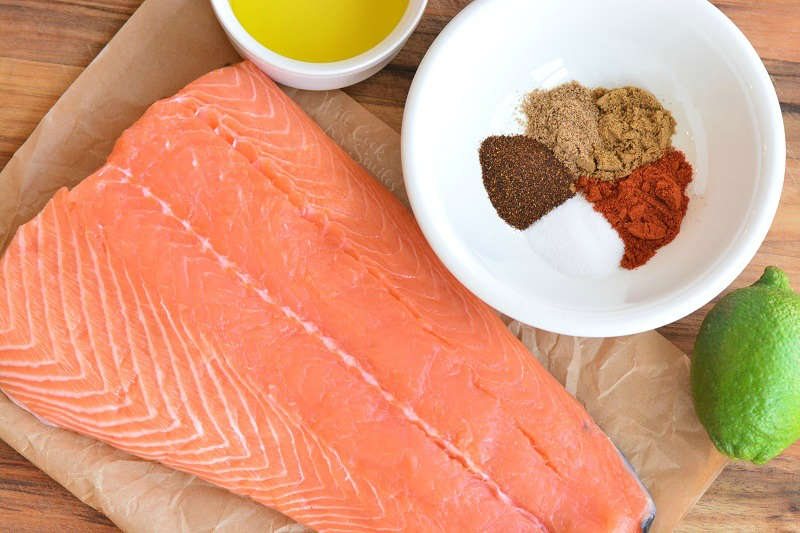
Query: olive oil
(319, 31)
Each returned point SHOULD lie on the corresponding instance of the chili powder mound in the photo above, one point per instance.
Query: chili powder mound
(646, 208)
(523, 178)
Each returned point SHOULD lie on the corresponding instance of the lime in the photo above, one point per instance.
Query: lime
(746, 370)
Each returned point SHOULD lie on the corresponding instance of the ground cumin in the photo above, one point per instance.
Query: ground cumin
(599, 133)
(524, 180)
(646, 208)
(565, 120)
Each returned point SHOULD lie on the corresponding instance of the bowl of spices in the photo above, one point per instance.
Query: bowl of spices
(319, 44)
(593, 168)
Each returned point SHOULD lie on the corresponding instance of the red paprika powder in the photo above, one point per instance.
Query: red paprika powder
(646, 208)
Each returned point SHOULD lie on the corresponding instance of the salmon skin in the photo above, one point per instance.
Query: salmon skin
(233, 296)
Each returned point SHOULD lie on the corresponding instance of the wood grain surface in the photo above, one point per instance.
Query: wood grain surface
(44, 45)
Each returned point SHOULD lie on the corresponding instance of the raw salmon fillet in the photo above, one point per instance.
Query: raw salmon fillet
(233, 296)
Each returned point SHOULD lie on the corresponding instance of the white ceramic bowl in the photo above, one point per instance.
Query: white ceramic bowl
(690, 56)
(319, 76)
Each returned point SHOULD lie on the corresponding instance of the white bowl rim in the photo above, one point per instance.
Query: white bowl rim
(651, 315)
(401, 32)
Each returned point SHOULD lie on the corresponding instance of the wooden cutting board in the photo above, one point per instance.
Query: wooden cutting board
(45, 44)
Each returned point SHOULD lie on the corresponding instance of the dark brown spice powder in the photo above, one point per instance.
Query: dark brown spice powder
(524, 179)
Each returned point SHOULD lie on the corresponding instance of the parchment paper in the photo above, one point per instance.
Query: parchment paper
(636, 388)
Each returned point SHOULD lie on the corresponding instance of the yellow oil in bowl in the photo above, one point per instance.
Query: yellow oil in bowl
(319, 31)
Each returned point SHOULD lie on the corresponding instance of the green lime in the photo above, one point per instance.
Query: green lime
(746, 370)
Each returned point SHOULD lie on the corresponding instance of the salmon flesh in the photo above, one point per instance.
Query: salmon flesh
(233, 296)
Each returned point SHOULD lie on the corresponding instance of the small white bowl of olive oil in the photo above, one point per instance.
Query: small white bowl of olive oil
(319, 44)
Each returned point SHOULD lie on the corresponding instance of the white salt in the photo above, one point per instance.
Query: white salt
(577, 241)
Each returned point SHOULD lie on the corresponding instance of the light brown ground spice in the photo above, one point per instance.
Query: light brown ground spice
(523, 178)
(565, 120)
(601, 133)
